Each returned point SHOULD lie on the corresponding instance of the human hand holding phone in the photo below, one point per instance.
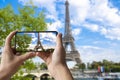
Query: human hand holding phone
(56, 61)
(10, 61)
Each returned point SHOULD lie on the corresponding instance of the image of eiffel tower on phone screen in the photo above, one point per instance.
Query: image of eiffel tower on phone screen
(39, 46)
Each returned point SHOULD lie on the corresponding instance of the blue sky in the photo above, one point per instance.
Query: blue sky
(95, 25)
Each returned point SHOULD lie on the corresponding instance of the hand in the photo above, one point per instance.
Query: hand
(56, 62)
(57, 57)
(11, 62)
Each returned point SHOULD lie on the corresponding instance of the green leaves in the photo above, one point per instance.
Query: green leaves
(43, 66)
(27, 67)
(32, 21)
(28, 19)
(22, 42)
(109, 66)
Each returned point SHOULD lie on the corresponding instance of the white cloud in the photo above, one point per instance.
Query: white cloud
(55, 25)
(78, 11)
(92, 27)
(106, 16)
(76, 31)
(51, 36)
(96, 11)
(52, 17)
(112, 33)
(92, 53)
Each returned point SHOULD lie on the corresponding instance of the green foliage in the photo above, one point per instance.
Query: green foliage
(115, 68)
(80, 66)
(27, 67)
(43, 66)
(94, 65)
(108, 65)
(32, 21)
(29, 77)
(28, 19)
(6, 22)
(22, 42)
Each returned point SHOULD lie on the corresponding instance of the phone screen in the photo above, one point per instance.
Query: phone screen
(35, 41)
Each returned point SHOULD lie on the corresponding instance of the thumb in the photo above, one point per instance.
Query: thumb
(27, 56)
(59, 49)
(59, 40)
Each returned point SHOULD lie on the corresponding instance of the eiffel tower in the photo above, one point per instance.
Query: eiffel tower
(39, 45)
(68, 41)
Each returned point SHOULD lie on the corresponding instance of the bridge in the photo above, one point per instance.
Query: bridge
(44, 74)
(38, 74)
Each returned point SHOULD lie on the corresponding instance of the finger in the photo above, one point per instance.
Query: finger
(59, 40)
(42, 55)
(59, 50)
(27, 56)
(14, 50)
(18, 53)
(9, 37)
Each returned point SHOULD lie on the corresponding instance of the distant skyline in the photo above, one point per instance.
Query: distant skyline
(95, 24)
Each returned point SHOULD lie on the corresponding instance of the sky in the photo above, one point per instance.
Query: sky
(95, 25)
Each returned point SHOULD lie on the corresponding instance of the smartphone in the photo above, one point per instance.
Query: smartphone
(36, 41)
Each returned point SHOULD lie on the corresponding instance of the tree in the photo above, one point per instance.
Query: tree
(81, 66)
(43, 66)
(95, 65)
(28, 19)
(109, 66)
(22, 42)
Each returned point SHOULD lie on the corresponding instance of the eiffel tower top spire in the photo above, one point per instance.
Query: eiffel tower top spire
(66, 3)
(67, 19)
